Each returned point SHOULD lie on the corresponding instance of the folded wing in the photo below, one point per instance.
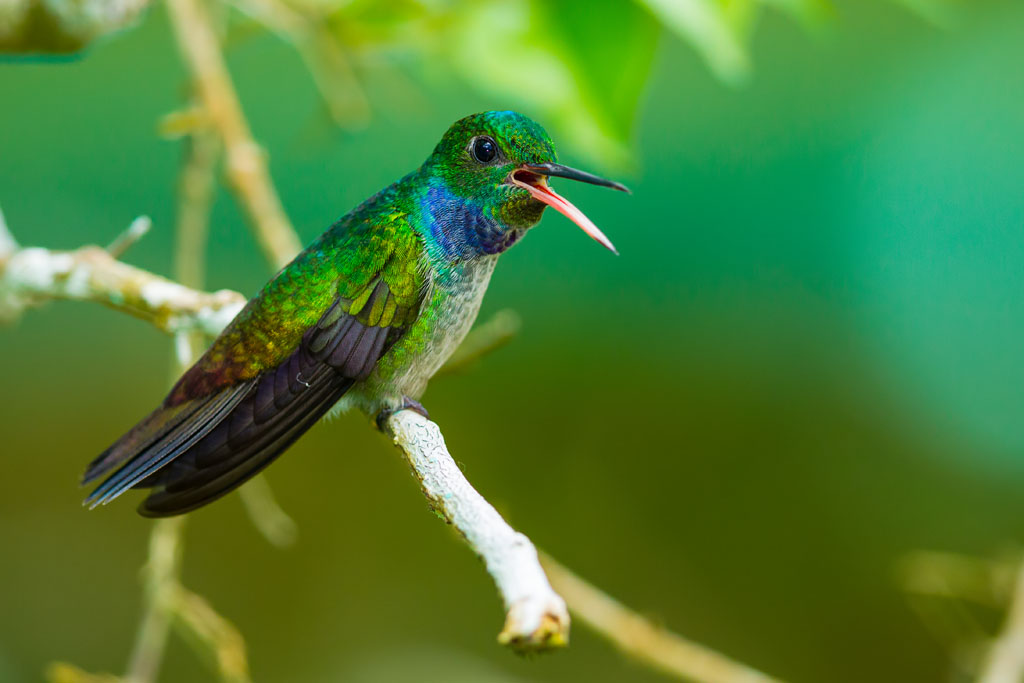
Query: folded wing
(194, 450)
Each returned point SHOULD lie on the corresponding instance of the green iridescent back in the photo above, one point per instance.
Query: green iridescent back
(372, 243)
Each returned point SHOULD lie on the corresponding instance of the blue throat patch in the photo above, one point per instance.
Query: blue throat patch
(462, 229)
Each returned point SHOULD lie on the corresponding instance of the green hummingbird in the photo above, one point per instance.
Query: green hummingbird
(363, 317)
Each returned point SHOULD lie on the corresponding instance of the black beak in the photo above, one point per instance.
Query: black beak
(560, 171)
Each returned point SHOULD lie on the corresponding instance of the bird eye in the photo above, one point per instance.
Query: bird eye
(484, 149)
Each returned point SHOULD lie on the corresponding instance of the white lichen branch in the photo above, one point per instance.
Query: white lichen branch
(31, 276)
(536, 617)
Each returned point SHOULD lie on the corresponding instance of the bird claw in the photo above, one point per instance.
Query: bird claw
(407, 404)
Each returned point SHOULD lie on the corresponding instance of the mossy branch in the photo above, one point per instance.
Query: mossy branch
(31, 276)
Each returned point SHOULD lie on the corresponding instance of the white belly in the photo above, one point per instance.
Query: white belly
(461, 296)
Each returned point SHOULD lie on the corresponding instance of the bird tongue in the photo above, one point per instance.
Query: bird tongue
(538, 187)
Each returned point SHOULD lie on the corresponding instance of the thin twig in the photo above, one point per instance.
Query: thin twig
(8, 245)
(195, 199)
(213, 634)
(246, 161)
(135, 232)
(266, 514)
(1005, 660)
(639, 638)
(321, 51)
(161, 573)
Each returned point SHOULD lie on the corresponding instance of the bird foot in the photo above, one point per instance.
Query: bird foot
(407, 404)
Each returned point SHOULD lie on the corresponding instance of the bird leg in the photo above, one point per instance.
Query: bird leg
(406, 404)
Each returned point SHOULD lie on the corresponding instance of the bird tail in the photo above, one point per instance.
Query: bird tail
(196, 451)
(159, 438)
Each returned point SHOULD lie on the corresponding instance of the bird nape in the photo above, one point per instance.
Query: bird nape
(363, 317)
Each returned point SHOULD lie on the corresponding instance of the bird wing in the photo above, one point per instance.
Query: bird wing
(258, 388)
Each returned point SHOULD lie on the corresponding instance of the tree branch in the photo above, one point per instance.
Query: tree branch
(535, 616)
(246, 161)
(639, 638)
(196, 189)
(29, 276)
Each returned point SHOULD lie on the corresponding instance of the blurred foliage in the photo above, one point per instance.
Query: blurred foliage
(559, 58)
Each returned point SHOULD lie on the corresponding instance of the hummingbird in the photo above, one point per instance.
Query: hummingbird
(362, 317)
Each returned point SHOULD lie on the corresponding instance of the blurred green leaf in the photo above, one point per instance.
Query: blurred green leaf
(554, 58)
(711, 28)
(611, 54)
(581, 70)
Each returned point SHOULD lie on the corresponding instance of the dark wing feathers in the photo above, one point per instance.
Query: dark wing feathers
(210, 413)
(196, 451)
(233, 459)
(143, 435)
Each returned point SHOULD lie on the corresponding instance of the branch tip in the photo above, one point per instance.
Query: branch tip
(135, 232)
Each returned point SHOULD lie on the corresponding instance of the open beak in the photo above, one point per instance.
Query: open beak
(533, 179)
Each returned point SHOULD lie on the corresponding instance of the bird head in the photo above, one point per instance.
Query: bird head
(501, 161)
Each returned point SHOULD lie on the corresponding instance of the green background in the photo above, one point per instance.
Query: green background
(806, 363)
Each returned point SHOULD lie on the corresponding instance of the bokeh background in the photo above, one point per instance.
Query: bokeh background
(806, 364)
